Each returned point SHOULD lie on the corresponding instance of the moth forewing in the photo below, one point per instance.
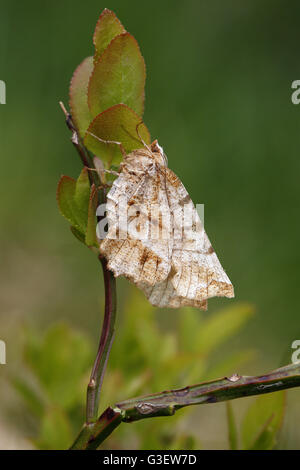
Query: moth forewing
(155, 236)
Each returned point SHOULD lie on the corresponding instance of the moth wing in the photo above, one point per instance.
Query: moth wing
(198, 273)
(130, 246)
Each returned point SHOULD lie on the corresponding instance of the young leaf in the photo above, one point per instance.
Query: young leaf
(232, 429)
(90, 237)
(119, 124)
(118, 77)
(78, 95)
(65, 199)
(107, 28)
(263, 421)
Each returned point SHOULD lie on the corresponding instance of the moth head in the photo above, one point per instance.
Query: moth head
(144, 159)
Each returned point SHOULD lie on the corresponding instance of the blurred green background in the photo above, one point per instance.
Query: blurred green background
(218, 98)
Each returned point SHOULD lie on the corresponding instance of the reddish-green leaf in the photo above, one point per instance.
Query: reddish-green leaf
(90, 237)
(78, 95)
(118, 77)
(107, 27)
(117, 123)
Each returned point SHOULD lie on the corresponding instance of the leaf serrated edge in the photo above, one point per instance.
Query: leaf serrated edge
(105, 12)
(106, 51)
(71, 86)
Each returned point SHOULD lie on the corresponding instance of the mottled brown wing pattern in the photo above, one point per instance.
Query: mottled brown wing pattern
(177, 268)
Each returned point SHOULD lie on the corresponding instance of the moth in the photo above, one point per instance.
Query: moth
(155, 237)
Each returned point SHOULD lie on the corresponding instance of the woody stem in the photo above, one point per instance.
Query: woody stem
(168, 402)
(106, 339)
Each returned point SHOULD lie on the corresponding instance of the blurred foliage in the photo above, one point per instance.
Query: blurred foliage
(144, 359)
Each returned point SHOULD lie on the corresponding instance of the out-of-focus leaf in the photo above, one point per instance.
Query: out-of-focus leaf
(117, 124)
(263, 421)
(33, 401)
(82, 198)
(107, 27)
(232, 429)
(55, 431)
(118, 77)
(59, 360)
(90, 237)
(78, 95)
(222, 326)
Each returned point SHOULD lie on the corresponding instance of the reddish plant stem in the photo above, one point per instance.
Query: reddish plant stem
(106, 339)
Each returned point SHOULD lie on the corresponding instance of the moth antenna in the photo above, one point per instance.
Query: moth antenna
(140, 137)
(123, 151)
(112, 172)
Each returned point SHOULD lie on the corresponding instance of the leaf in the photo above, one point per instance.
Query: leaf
(117, 123)
(59, 361)
(55, 431)
(263, 421)
(232, 429)
(107, 27)
(90, 237)
(221, 326)
(81, 198)
(78, 95)
(118, 77)
(65, 199)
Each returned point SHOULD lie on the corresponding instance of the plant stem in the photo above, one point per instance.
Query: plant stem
(166, 403)
(106, 339)
(107, 334)
(83, 153)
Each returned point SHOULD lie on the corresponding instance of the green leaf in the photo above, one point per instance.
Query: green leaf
(118, 77)
(65, 199)
(119, 124)
(107, 27)
(55, 431)
(232, 429)
(90, 237)
(222, 326)
(59, 361)
(82, 198)
(263, 421)
(78, 95)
